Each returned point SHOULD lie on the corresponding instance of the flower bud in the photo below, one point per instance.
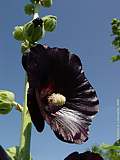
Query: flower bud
(6, 100)
(29, 9)
(46, 3)
(18, 33)
(33, 31)
(50, 22)
(36, 1)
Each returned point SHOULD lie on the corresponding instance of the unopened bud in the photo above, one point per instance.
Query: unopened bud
(46, 3)
(50, 23)
(56, 99)
(33, 32)
(29, 9)
(6, 100)
(18, 33)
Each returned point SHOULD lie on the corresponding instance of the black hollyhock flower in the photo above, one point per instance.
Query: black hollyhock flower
(56, 70)
(88, 155)
(3, 154)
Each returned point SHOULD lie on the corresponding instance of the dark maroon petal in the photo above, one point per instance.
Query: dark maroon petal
(3, 154)
(34, 111)
(73, 156)
(88, 155)
(75, 61)
(36, 63)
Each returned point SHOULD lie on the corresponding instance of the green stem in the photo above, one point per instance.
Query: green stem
(25, 137)
(36, 10)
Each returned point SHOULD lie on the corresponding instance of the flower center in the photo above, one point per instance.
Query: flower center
(51, 102)
(56, 99)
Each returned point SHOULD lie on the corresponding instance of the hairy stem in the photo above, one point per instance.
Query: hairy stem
(36, 10)
(25, 137)
(26, 126)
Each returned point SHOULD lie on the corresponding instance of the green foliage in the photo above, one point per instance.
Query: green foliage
(6, 101)
(116, 33)
(109, 147)
(109, 152)
(117, 143)
(12, 152)
(115, 58)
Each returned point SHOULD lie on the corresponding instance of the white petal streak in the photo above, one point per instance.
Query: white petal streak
(71, 125)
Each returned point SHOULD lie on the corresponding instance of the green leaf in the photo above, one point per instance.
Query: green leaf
(12, 152)
(110, 147)
(117, 143)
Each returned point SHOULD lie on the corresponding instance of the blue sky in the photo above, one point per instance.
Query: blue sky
(83, 27)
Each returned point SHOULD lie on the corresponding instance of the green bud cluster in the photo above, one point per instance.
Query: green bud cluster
(29, 33)
(50, 23)
(30, 7)
(34, 30)
(44, 3)
(6, 101)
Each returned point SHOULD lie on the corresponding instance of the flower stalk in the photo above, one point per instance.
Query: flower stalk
(25, 137)
(36, 10)
(26, 125)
